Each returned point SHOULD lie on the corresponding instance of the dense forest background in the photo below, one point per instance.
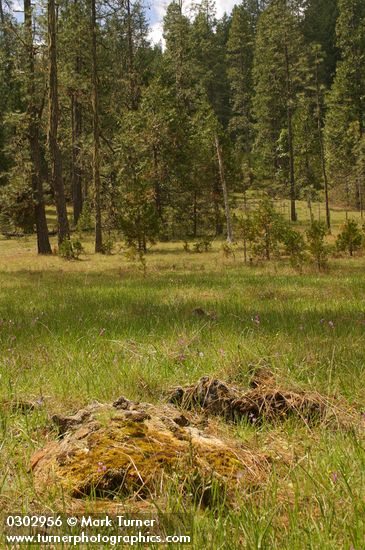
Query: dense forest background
(156, 142)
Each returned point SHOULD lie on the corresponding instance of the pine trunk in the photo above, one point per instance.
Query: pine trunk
(96, 134)
(321, 146)
(225, 191)
(157, 186)
(53, 116)
(133, 100)
(76, 179)
(43, 243)
(216, 201)
(293, 212)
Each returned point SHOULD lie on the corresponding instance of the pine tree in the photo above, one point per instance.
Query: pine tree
(74, 76)
(278, 77)
(319, 27)
(240, 48)
(34, 113)
(208, 54)
(96, 130)
(346, 108)
(178, 55)
(53, 121)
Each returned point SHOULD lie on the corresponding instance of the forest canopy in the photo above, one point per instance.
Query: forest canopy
(120, 134)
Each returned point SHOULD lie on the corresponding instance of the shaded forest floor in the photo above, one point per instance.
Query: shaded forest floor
(98, 328)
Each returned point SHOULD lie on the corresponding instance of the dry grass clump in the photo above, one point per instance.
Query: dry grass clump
(264, 400)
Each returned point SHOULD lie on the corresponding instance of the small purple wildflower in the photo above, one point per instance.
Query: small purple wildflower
(101, 467)
(181, 358)
(334, 477)
(257, 319)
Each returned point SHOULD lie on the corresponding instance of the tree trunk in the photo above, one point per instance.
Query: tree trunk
(76, 179)
(225, 191)
(157, 186)
(53, 116)
(96, 133)
(309, 202)
(43, 244)
(216, 205)
(321, 146)
(293, 213)
(2, 17)
(133, 103)
(195, 216)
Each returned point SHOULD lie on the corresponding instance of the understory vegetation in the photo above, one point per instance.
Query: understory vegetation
(153, 139)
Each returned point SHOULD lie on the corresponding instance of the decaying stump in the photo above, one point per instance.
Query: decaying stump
(134, 449)
(265, 400)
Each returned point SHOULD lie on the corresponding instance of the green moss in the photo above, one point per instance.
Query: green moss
(123, 457)
(127, 456)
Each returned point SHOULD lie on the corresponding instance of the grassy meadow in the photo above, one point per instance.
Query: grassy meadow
(98, 328)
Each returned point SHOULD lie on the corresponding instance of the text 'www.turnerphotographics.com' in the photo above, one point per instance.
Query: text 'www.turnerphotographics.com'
(97, 529)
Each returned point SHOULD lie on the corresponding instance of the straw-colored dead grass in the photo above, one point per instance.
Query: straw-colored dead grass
(264, 400)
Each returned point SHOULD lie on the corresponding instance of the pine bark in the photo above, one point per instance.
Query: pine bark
(96, 133)
(53, 118)
(293, 212)
(33, 116)
(225, 190)
(321, 147)
(76, 177)
(132, 77)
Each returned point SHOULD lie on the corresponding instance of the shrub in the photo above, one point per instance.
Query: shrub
(350, 239)
(137, 256)
(316, 243)
(204, 245)
(85, 222)
(228, 251)
(264, 229)
(65, 250)
(107, 247)
(70, 250)
(138, 219)
(294, 244)
(186, 246)
(77, 248)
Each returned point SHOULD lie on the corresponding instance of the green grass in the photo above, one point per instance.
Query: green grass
(71, 332)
